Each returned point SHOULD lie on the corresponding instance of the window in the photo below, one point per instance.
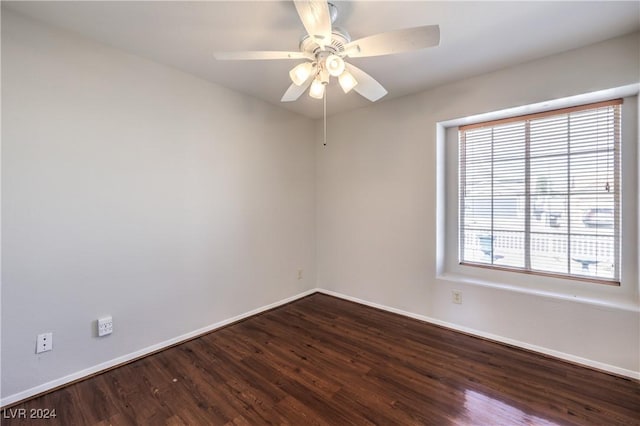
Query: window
(541, 193)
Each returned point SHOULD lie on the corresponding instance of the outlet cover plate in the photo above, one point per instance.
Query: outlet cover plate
(105, 326)
(44, 342)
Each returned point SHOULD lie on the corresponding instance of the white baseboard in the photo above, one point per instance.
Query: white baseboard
(546, 351)
(11, 399)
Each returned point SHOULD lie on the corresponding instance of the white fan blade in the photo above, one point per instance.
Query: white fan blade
(260, 55)
(294, 91)
(316, 19)
(367, 86)
(395, 42)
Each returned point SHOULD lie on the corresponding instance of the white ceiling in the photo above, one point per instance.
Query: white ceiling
(476, 37)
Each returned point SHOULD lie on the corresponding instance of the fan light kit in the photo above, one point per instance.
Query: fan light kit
(334, 64)
(325, 48)
(347, 81)
(317, 89)
(301, 72)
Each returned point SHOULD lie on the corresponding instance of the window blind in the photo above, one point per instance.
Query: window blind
(541, 193)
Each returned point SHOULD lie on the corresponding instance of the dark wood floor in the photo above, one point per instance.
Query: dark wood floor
(326, 361)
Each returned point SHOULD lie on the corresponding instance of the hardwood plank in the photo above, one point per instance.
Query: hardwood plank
(326, 361)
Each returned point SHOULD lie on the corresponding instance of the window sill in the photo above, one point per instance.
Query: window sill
(624, 305)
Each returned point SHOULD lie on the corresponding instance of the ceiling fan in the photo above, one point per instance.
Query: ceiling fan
(325, 48)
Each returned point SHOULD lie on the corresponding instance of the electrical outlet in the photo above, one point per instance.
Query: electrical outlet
(44, 342)
(105, 326)
(456, 296)
(300, 274)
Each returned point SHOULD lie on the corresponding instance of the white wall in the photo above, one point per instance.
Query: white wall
(133, 189)
(377, 215)
(136, 190)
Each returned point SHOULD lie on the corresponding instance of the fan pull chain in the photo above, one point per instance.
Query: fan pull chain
(324, 103)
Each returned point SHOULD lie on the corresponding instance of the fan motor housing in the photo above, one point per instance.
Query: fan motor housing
(339, 38)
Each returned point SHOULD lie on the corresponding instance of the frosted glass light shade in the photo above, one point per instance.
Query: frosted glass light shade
(317, 89)
(335, 65)
(347, 81)
(300, 73)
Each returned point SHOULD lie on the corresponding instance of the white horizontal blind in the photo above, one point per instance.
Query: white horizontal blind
(541, 193)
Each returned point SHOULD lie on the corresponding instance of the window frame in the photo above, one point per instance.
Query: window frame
(617, 161)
